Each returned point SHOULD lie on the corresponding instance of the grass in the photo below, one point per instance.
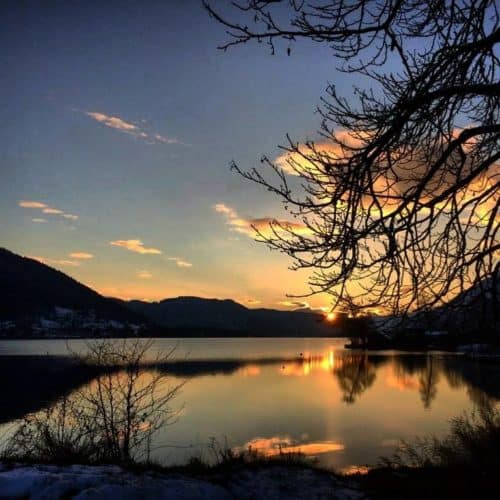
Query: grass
(463, 464)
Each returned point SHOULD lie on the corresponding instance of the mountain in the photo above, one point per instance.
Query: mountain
(228, 315)
(39, 300)
(34, 291)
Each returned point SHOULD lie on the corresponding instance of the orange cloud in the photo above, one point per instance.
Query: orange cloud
(117, 123)
(45, 209)
(144, 275)
(112, 121)
(55, 262)
(135, 246)
(259, 227)
(81, 255)
(31, 204)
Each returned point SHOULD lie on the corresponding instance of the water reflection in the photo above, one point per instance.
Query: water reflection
(356, 372)
(277, 445)
(344, 407)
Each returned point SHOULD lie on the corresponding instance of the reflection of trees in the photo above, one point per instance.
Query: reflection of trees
(427, 368)
(355, 375)
(111, 419)
(428, 381)
(480, 379)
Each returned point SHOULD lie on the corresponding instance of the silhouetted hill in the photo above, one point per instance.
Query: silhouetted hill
(30, 288)
(39, 300)
(195, 312)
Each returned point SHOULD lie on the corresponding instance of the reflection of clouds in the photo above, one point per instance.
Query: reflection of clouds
(277, 445)
(250, 371)
(349, 470)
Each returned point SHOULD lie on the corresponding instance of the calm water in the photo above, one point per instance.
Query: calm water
(346, 408)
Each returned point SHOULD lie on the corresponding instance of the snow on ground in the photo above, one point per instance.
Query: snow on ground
(80, 482)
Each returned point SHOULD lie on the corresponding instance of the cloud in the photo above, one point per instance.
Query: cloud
(112, 121)
(136, 246)
(81, 255)
(54, 211)
(46, 209)
(130, 128)
(56, 262)
(180, 262)
(165, 140)
(295, 304)
(253, 301)
(38, 219)
(31, 204)
(261, 227)
(310, 159)
(144, 275)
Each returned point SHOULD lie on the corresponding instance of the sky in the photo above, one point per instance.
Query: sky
(118, 124)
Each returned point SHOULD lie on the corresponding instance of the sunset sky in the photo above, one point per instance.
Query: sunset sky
(118, 123)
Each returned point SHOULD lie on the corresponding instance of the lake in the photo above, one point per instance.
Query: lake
(347, 408)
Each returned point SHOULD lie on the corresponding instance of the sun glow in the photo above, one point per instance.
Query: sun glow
(331, 316)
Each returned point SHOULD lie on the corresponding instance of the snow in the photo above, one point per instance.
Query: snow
(37, 482)
(62, 312)
(104, 482)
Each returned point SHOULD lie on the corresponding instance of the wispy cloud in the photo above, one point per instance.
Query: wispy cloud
(31, 204)
(144, 275)
(54, 211)
(180, 262)
(112, 121)
(56, 262)
(81, 255)
(136, 246)
(253, 302)
(130, 128)
(259, 227)
(295, 304)
(39, 220)
(45, 209)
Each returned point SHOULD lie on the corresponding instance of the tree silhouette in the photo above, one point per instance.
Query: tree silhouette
(111, 419)
(399, 194)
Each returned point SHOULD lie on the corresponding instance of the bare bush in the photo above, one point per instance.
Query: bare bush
(473, 442)
(111, 419)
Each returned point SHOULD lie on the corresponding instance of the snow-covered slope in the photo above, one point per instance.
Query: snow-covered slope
(111, 482)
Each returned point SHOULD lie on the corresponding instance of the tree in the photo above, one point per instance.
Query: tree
(399, 196)
(112, 419)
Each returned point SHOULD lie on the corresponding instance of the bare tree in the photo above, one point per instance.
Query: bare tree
(399, 195)
(111, 419)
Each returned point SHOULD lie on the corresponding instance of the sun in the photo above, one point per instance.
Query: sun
(330, 316)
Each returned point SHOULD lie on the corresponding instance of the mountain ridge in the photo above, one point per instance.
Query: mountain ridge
(39, 300)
